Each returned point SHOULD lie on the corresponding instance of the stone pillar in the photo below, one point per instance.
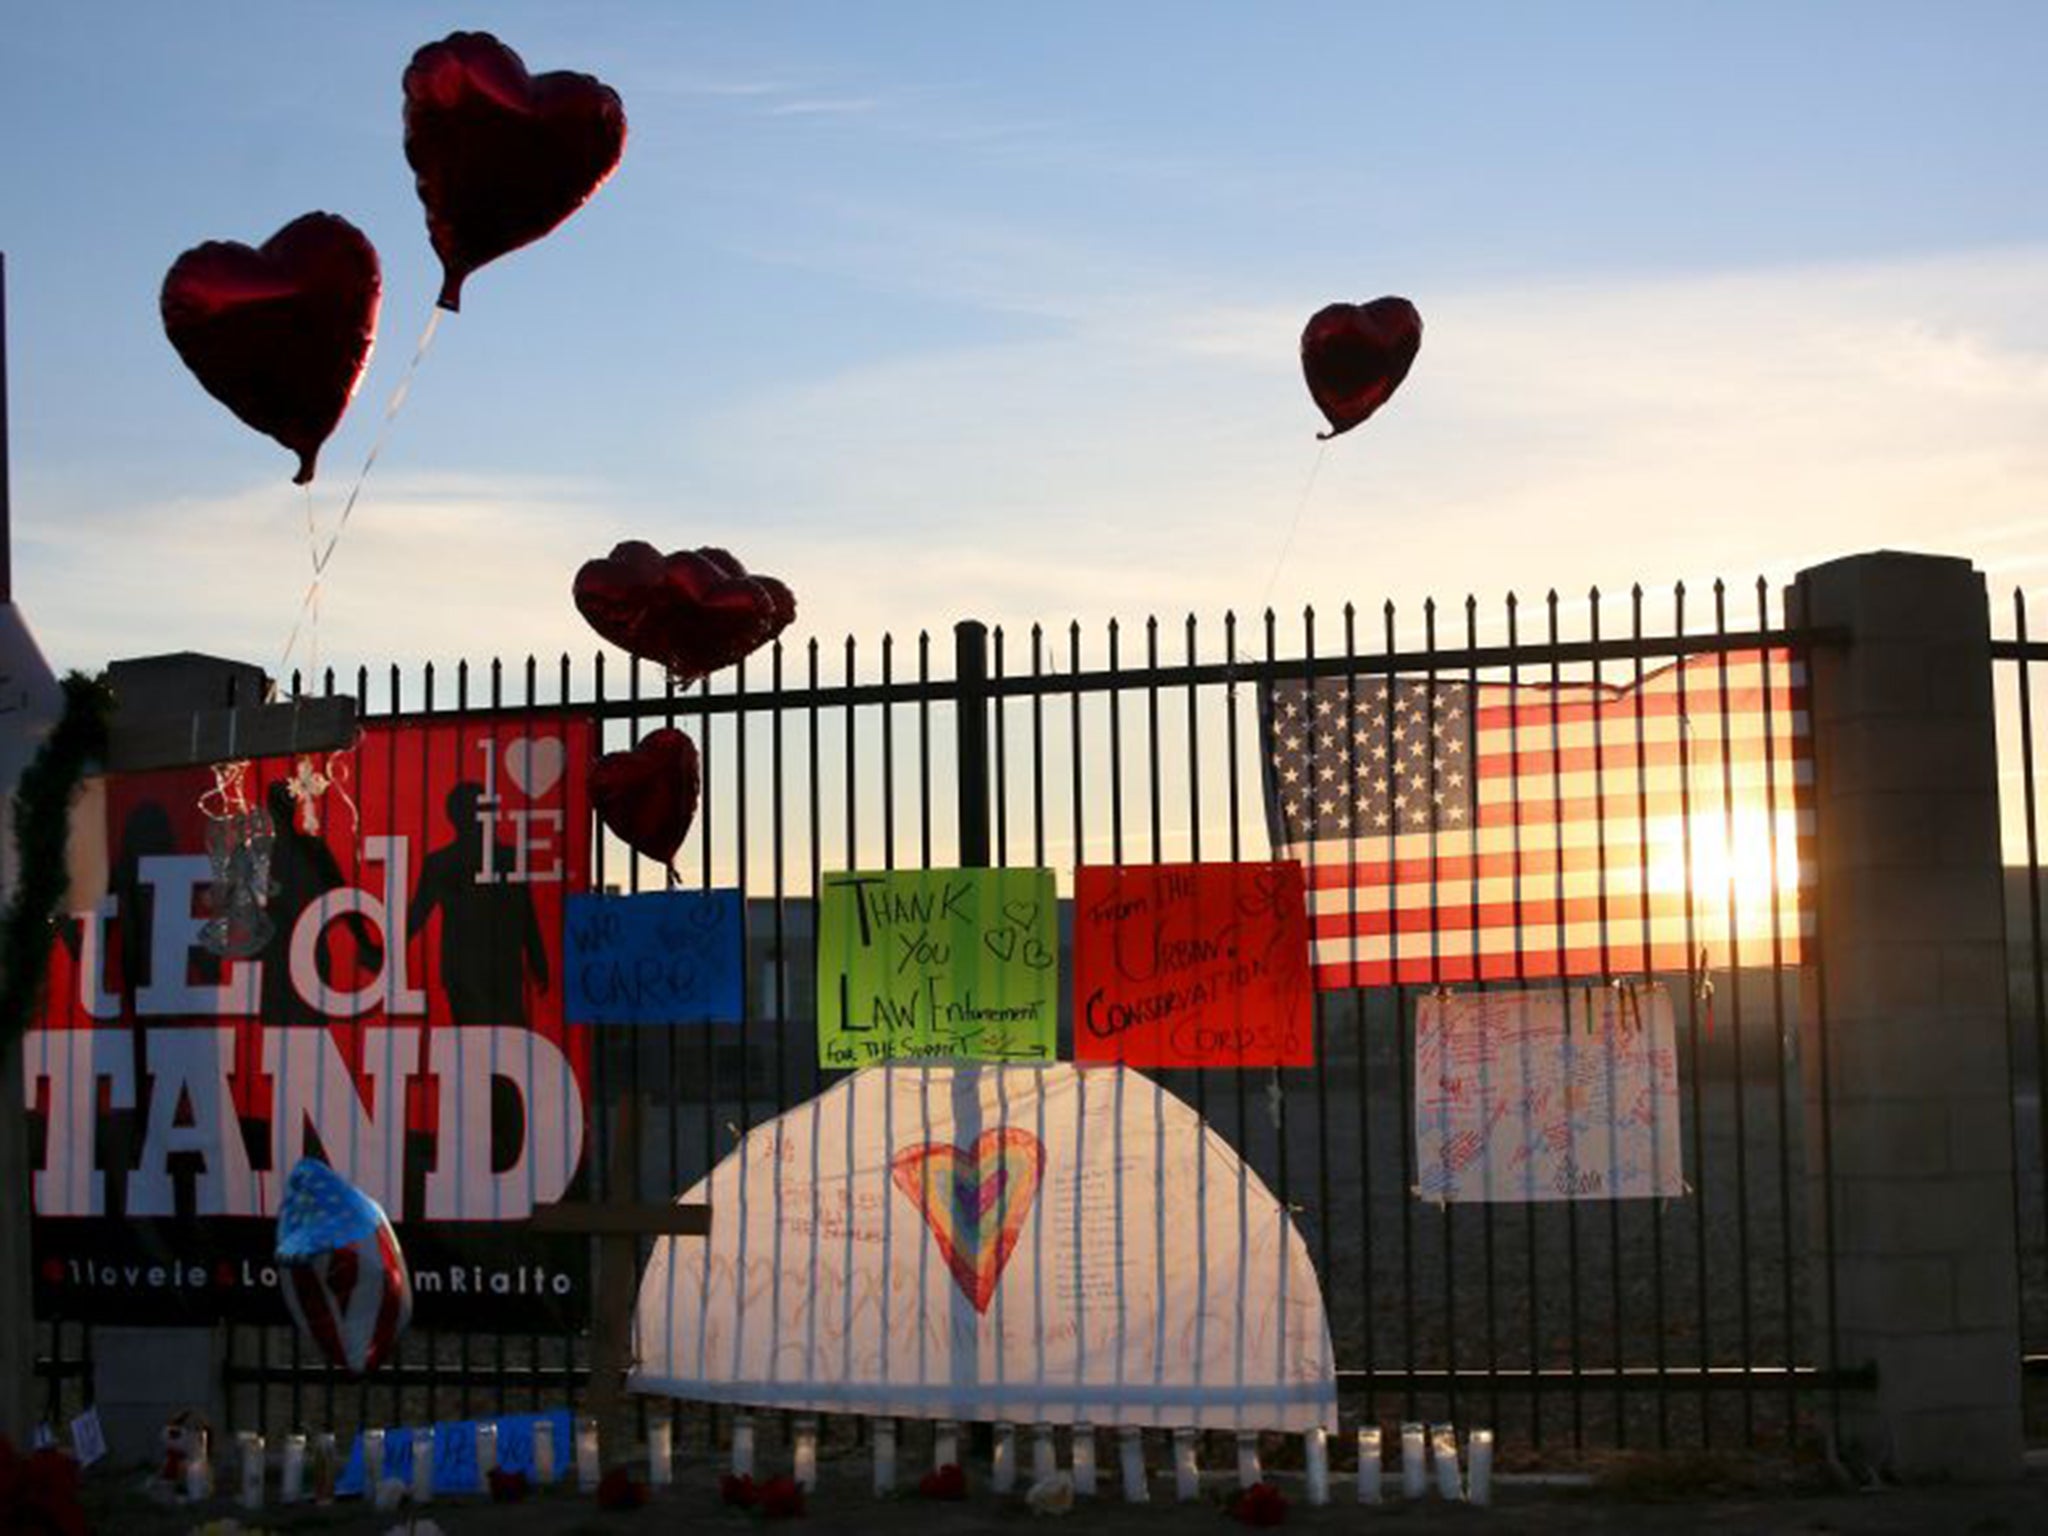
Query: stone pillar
(1911, 1051)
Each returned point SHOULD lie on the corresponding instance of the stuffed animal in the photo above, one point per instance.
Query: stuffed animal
(187, 1440)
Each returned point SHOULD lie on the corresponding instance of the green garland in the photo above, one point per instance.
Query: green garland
(42, 823)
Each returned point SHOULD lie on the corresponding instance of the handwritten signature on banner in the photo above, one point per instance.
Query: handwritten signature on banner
(937, 965)
(1547, 1095)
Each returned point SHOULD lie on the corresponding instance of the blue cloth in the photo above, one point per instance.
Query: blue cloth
(455, 1452)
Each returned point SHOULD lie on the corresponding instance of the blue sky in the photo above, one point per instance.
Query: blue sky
(942, 310)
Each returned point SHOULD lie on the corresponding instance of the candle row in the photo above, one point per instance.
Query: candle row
(418, 1471)
(1420, 1450)
(1472, 1484)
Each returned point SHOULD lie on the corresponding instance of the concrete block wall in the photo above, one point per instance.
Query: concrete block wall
(1904, 1056)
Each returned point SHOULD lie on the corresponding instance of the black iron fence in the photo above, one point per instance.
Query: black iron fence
(2016, 657)
(1690, 1321)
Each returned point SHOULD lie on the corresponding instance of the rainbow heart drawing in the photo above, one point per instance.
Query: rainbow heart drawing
(974, 1202)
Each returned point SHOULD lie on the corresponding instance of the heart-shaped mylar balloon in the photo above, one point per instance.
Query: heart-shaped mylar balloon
(1355, 356)
(279, 334)
(648, 794)
(692, 612)
(501, 157)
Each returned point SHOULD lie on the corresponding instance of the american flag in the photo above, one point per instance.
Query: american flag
(1460, 832)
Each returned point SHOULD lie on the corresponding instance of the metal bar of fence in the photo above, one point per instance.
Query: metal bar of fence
(1660, 1331)
(1635, 1378)
(1273, 668)
(2026, 654)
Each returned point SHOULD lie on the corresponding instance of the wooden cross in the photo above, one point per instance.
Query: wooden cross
(618, 1223)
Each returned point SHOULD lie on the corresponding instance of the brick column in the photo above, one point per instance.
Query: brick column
(1913, 1065)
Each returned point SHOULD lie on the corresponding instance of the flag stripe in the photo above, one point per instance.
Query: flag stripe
(1330, 865)
(1623, 916)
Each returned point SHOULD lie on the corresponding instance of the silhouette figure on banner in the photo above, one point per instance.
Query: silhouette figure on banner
(490, 935)
(302, 870)
(145, 834)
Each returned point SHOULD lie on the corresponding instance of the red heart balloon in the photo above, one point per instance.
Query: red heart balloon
(692, 612)
(648, 795)
(281, 334)
(1356, 355)
(501, 157)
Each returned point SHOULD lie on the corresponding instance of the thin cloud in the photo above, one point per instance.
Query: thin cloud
(824, 106)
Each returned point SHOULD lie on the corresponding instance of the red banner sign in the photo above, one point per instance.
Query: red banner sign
(395, 1007)
(1192, 965)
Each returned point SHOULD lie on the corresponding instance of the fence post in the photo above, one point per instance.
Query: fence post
(1906, 1080)
(970, 669)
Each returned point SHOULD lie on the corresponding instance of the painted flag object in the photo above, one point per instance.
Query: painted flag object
(343, 1274)
(1452, 832)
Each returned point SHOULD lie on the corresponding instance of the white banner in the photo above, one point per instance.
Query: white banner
(1555, 1095)
(992, 1242)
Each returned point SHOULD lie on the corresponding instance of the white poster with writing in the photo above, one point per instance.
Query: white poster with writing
(992, 1242)
(1550, 1095)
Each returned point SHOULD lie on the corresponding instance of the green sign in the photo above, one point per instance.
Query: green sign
(937, 965)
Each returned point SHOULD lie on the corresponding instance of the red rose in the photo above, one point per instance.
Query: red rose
(781, 1498)
(507, 1487)
(739, 1490)
(620, 1489)
(1260, 1504)
(948, 1482)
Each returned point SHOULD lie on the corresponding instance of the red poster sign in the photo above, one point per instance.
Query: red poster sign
(1192, 965)
(396, 1009)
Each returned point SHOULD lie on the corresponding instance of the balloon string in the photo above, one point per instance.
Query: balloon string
(1294, 526)
(309, 606)
(1286, 544)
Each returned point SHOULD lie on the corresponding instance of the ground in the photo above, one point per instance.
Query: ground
(1656, 1495)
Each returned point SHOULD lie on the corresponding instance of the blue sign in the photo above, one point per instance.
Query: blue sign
(663, 957)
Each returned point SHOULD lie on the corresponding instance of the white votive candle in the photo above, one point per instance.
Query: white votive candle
(742, 1445)
(1131, 1452)
(1187, 1468)
(422, 1466)
(885, 1457)
(1045, 1454)
(1084, 1460)
(1444, 1442)
(326, 1467)
(373, 1461)
(945, 1444)
(805, 1449)
(292, 1487)
(661, 1451)
(1003, 1473)
(252, 1469)
(198, 1478)
(587, 1471)
(1369, 1468)
(1248, 1469)
(486, 1451)
(543, 1452)
(1414, 1476)
(1479, 1467)
(1316, 1456)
